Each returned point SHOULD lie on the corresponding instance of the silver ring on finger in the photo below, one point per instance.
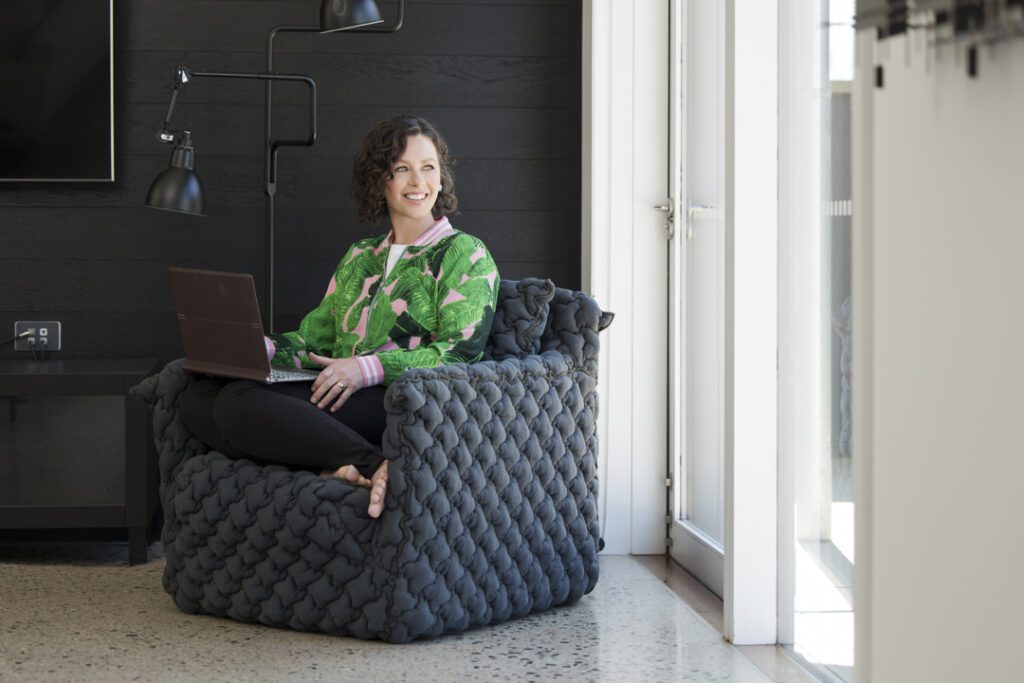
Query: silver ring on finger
(341, 385)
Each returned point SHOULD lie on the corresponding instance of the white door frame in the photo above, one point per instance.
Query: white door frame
(625, 102)
(751, 360)
(863, 245)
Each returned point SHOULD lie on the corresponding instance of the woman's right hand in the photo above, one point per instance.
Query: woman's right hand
(340, 378)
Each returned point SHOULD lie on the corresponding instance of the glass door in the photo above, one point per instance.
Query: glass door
(697, 290)
(815, 450)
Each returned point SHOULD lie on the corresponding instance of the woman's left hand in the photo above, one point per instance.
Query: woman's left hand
(339, 379)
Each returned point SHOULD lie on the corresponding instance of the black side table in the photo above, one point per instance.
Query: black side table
(75, 449)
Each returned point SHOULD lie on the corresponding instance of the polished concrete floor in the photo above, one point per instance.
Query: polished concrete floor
(77, 612)
(774, 662)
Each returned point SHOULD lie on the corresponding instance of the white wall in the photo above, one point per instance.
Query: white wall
(939, 367)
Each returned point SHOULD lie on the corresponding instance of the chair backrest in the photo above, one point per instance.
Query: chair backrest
(574, 321)
(533, 316)
(519, 318)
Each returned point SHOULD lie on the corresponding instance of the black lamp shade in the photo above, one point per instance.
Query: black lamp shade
(178, 187)
(339, 15)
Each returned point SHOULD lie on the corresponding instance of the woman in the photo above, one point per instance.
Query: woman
(420, 296)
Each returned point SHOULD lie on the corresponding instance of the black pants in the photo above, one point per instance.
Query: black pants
(277, 423)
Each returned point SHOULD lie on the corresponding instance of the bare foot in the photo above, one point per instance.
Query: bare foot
(348, 473)
(379, 485)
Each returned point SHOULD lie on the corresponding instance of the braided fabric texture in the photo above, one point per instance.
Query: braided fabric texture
(490, 513)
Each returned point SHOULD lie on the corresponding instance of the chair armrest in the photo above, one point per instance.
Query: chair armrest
(516, 407)
(164, 386)
(174, 442)
(490, 485)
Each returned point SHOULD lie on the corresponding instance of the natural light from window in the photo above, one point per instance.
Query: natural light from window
(815, 304)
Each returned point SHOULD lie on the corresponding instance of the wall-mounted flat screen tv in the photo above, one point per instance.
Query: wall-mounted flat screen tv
(56, 90)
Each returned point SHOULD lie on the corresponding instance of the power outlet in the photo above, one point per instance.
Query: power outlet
(45, 335)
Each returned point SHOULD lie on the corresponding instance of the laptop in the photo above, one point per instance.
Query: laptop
(219, 319)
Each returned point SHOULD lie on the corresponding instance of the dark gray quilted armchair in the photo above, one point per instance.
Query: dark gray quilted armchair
(490, 512)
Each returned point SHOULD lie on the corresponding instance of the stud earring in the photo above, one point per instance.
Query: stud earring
(440, 188)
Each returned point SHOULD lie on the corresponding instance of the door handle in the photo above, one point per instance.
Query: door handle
(670, 219)
(698, 211)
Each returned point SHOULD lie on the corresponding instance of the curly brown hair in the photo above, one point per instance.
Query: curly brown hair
(382, 147)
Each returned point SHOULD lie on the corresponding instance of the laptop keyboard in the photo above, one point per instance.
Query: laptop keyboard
(277, 375)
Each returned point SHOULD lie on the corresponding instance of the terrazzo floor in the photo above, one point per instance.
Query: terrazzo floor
(82, 614)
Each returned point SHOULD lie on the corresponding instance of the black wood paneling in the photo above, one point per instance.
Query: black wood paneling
(314, 182)
(500, 78)
(461, 28)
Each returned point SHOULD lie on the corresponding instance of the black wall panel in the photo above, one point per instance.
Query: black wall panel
(500, 78)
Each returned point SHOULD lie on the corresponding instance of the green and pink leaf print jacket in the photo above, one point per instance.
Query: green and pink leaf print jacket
(435, 307)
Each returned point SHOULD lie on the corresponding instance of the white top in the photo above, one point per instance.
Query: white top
(394, 253)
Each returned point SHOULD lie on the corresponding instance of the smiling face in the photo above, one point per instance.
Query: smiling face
(412, 189)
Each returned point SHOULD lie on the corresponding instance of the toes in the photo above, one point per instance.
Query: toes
(380, 485)
(377, 498)
(347, 473)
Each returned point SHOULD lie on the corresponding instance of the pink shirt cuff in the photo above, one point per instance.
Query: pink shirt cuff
(271, 348)
(373, 371)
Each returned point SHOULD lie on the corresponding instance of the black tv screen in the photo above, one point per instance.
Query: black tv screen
(56, 90)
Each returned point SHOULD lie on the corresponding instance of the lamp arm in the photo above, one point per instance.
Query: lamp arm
(283, 29)
(270, 143)
(183, 75)
(165, 133)
(167, 136)
(295, 78)
(263, 77)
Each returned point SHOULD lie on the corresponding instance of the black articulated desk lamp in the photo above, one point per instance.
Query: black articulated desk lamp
(178, 187)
